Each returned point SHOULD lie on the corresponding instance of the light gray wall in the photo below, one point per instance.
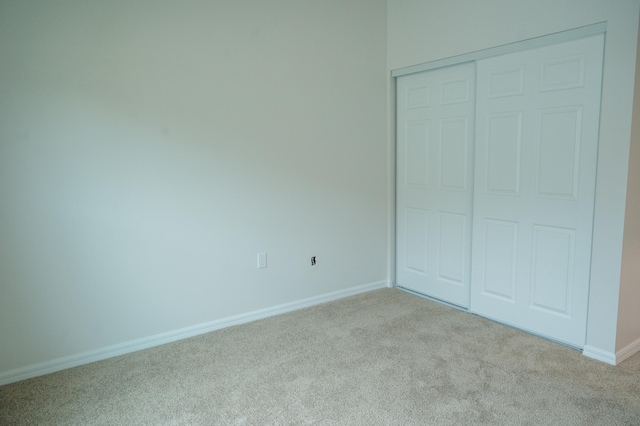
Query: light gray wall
(424, 31)
(150, 149)
(629, 310)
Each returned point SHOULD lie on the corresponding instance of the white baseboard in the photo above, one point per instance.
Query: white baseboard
(626, 352)
(70, 361)
(599, 354)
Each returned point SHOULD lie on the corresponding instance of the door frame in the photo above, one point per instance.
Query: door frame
(542, 41)
(518, 46)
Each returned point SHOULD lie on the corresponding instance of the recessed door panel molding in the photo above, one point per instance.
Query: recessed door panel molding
(417, 232)
(456, 91)
(454, 147)
(499, 259)
(418, 97)
(452, 247)
(435, 122)
(558, 146)
(562, 73)
(506, 82)
(417, 153)
(504, 142)
(552, 269)
(551, 128)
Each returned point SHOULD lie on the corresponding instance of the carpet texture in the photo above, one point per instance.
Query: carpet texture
(381, 358)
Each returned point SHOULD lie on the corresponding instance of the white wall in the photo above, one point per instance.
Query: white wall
(150, 149)
(423, 31)
(628, 339)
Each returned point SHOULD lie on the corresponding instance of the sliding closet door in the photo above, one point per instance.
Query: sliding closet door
(536, 149)
(435, 111)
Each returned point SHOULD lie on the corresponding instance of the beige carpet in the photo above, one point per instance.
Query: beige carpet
(380, 358)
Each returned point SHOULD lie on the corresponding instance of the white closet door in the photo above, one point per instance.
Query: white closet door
(536, 150)
(435, 111)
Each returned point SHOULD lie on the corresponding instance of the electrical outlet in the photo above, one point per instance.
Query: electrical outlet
(262, 260)
(313, 261)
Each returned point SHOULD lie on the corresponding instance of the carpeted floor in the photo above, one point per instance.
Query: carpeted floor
(379, 358)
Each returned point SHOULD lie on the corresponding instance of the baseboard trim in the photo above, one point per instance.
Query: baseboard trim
(52, 366)
(627, 351)
(599, 354)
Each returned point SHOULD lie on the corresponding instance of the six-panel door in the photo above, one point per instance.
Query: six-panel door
(496, 185)
(535, 170)
(435, 182)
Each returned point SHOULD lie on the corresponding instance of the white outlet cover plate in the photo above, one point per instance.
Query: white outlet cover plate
(262, 260)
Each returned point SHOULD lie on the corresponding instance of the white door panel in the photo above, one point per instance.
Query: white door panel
(535, 162)
(434, 187)
(500, 162)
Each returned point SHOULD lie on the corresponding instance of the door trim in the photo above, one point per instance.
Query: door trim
(532, 43)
